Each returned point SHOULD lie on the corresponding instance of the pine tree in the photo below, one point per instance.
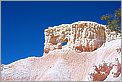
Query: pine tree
(113, 21)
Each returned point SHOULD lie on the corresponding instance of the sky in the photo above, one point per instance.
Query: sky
(23, 23)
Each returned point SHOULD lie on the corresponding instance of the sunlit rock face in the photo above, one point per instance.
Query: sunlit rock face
(71, 62)
(83, 36)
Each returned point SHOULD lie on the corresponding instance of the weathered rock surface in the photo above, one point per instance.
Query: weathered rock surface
(83, 35)
(68, 64)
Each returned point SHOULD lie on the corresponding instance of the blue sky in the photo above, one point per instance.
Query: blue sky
(23, 23)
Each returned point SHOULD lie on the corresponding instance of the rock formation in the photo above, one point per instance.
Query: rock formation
(92, 53)
(83, 36)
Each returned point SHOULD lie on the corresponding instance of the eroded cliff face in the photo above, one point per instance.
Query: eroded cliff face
(83, 35)
(72, 62)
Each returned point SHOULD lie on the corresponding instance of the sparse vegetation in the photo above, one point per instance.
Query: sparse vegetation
(113, 21)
